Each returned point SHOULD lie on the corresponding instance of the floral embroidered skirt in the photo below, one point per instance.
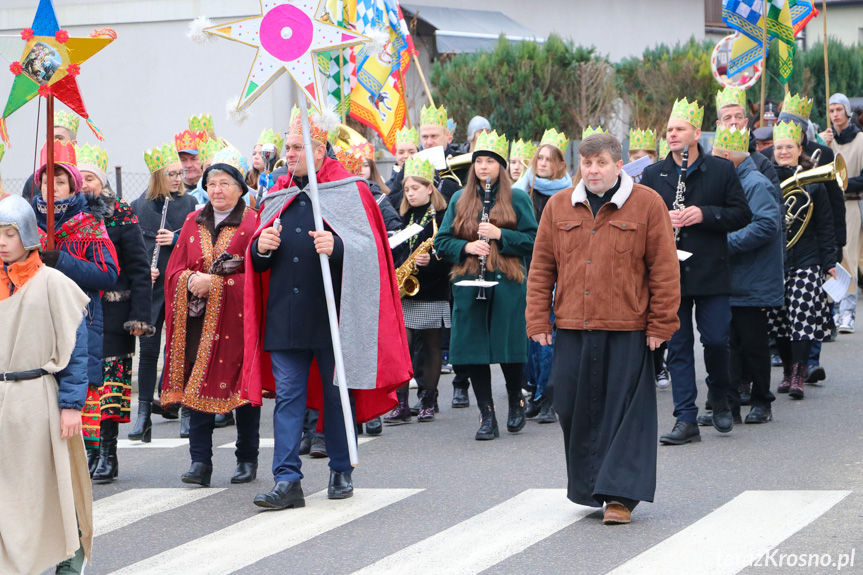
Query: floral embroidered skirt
(111, 401)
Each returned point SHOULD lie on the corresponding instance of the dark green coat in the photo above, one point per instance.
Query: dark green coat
(494, 330)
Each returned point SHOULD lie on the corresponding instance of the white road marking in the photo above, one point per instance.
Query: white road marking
(155, 444)
(480, 542)
(740, 531)
(268, 442)
(117, 511)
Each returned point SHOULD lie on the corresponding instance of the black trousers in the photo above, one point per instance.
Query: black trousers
(750, 356)
(480, 377)
(148, 361)
(201, 427)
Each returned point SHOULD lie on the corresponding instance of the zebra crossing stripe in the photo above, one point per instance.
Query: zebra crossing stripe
(480, 542)
(742, 531)
(268, 442)
(116, 511)
(267, 533)
(155, 444)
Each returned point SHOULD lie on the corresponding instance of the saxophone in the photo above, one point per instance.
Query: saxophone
(681, 188)
(406, 274)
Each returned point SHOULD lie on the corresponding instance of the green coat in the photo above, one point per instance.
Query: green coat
(494, 330)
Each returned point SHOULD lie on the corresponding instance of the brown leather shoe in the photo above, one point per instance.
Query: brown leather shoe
(616, 514)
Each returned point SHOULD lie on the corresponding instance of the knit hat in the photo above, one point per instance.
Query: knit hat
(838, 98)
(228, 169)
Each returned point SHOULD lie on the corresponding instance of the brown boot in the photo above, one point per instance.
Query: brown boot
(798, 378)
(785, 386)
(616, 514)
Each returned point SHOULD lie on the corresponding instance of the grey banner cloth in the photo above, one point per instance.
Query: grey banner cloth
(342, 209)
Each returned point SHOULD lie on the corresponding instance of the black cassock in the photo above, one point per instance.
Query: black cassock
(605, 396)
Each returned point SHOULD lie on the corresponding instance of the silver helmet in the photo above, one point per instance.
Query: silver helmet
(17, 213)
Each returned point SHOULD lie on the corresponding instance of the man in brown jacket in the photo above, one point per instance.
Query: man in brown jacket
(605, 255)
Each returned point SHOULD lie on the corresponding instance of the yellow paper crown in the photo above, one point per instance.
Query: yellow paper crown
(663, 148)
(431, 116)
(788, 131)
(491, 142)
(318, 134)
(270, 137)
(417, 168)
(689, 112)
(93, 156)
(732, 139)
(730, 96)
(208, 149)
(67, 120)
(159, 158)
(796, 105)
(642, 140)
(2, 150)
(202, 123)
(591, 130)
(522, 150)
(554, 138)
(407, 136)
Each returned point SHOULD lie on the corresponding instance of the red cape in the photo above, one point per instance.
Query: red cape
(394, 365)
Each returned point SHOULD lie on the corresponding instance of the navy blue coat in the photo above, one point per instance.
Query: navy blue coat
(72, 381)
(757, 250)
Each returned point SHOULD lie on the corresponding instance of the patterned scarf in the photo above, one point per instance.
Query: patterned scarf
(78, 234)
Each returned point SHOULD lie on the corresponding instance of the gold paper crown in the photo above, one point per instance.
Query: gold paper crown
(642, 140)
(522, 150)
(796, 105)
(422, 169)
(591, 130)
(159, 158)
(318, 134)
(554, 138)
(93, 156)
(270, 137)
(732, 139)
(689, 112)
(208, 149)
(431, 116)
(491, 142)
(663, 148)
(352, 163)
(788, 131)
(202, 123)
(66, 120)
(730, 96)
(407, 136)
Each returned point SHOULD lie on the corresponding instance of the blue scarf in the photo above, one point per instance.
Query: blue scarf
(542, 185)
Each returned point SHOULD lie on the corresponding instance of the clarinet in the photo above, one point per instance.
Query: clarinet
(681, 189)
(486, 207)
(154, 264)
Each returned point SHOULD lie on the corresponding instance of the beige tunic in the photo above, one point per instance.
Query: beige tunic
(41, 493)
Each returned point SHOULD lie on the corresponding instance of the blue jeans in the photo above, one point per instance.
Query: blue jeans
(291, 372)
(713, 316)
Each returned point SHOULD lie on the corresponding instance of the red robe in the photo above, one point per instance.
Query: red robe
(394, 365)
(212, 384)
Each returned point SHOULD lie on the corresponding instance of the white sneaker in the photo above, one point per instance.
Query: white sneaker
(846, 322)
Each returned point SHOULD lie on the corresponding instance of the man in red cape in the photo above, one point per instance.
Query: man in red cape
(289, 352)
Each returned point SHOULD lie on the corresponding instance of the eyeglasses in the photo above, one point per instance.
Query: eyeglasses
(172, 175)
(224, 186)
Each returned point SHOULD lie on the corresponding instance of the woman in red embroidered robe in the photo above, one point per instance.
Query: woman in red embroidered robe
(204, 318)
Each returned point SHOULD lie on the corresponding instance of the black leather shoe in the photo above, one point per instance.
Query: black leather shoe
(759, 414)
(143, 430)
(515, 419)
(185, 422)
(459, 397)
(374, 427)
(723, 420)
(285, 495)
(92, 460)
(225, 419)
(198, 474)
(531, 408)
(246, 472)
(341, 486)
(775, 360)
(319, 448)
(815, 373)
(305, 445)
(683, 432)
(706, 420)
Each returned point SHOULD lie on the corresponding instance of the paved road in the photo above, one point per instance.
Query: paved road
(430, 499)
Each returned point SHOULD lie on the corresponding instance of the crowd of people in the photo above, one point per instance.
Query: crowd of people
(577, 280)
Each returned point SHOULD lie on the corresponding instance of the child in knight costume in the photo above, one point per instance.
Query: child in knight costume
(47, 512)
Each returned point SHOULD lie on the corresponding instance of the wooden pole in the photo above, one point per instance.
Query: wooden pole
(405, 95)
(763, 65)
(826, 68)
(423, 78)
(49, 176)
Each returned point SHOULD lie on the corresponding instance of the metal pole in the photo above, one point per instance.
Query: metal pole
(49, 176)
(826, 69)
(118, 177)
(350, 431)
(763, 64)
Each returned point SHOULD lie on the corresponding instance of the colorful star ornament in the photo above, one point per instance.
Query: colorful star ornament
(288, 37)
(46, 60)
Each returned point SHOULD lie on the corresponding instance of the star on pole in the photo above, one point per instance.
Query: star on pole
(49, 61)
(288, 36)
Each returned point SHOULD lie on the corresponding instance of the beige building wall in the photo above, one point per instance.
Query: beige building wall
(844, 23)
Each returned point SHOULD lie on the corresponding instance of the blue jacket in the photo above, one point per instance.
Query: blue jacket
(72, 381)
(756, 251)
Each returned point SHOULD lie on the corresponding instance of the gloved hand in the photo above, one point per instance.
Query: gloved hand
(265, 180)
(50, 257)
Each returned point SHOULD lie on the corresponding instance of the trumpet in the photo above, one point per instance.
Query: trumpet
(798, 202)
(406, 274)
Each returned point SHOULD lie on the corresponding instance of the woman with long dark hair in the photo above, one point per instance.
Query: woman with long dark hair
(490, 330)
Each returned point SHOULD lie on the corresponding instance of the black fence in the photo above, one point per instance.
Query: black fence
(134, 184)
